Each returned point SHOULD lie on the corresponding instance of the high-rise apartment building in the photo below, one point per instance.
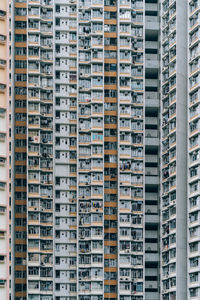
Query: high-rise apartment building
(104, 197)
(84, 196)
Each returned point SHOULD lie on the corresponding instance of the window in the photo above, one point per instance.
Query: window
(2, 13)
(193, 172)
(193, 292)
(2, 282)
(2, 86)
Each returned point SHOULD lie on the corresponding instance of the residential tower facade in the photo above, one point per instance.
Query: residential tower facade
(103, 150)
(81, 72)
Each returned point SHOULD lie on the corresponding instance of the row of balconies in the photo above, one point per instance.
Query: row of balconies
(43, 139)
(87, 72)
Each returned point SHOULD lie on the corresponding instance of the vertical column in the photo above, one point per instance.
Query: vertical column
(131, 149)
(19, 150)
(4, 151)
(40, 150)
(174, 155)
(65, 37)
(90, 179)
(110, 150)
(193, 151)
(152, 189)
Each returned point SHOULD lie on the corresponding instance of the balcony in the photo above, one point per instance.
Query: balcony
(151, 6)
(151, 63)
(151, 180)
(152, 219)
(152, 141)
(152, 257)
(151, 24)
